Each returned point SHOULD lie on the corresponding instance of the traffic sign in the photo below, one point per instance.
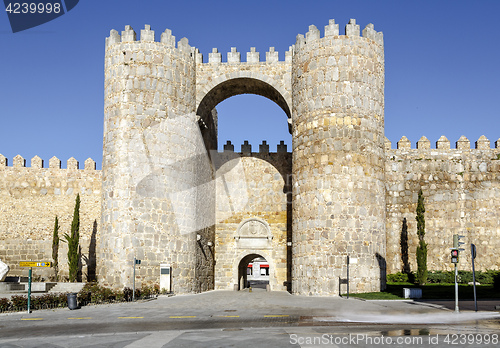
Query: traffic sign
(35, 264)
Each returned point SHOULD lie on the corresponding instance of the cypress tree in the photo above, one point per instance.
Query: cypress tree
(422, 245)
(55, 248)
(73, 242)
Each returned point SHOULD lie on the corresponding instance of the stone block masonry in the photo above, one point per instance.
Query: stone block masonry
(462, 196)
(31, 197)
(165, 195)
(338, 159)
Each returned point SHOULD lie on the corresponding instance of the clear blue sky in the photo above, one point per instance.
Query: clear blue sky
(442, 67)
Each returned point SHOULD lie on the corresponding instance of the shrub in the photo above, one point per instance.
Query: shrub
(146, 291)
(4, 304)
(50, 300)
(496, 281)
(138, 293)
(101, 294)
(486, 277)
(19, 301)
(90, 293)
(73, 240)
(422, 272)
(62, 299)
(83, 295)
(127, 294)
(436, 277)
(55, 248)
(119, 296)
(398, 278)
(149, 291)
(93, 292)
(465, 277)
(36, 302)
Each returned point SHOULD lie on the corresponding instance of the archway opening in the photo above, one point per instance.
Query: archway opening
(253, 271)
(252, 118)
(253, 89)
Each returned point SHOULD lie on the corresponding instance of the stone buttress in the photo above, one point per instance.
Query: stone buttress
(157, 198)
(338, 160)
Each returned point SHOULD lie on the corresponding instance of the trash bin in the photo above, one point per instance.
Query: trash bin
(72, 300)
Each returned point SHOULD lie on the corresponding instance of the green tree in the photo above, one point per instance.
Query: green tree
(422, 245)
(73, 242)
(55, 248)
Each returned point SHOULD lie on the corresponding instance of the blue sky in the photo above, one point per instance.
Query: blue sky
(442, 70)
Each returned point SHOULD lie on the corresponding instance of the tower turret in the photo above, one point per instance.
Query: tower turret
(154, 160)
(338, 159)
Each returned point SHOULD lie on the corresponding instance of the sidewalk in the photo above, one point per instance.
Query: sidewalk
(238, 319)
(262, 305)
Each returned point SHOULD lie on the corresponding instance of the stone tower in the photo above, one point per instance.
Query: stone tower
(338, 159)
(154, 164)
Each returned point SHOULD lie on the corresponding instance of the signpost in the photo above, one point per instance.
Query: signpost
(32, 264)
(35, 264)
(455, 251)
(136, 262)
(473, 256)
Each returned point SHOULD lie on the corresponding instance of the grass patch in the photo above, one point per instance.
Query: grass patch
(394, 291)
(375, 296)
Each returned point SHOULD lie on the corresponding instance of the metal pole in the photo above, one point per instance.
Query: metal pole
(473, 256)
(456, 289)
(29, 291)
(133, 290)
(347, 276)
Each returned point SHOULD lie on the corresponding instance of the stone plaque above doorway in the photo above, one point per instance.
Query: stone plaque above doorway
(253, 233)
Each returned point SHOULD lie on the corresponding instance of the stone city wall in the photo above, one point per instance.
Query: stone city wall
(461, 188)
(166, 195)
(31, 197)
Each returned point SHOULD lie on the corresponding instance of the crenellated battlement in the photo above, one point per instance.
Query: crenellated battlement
(148, 36)
(252, 57)
(332, 30)
(443, 143)
(54, 163)
(215, 57)
(234, 57)
(246, 148)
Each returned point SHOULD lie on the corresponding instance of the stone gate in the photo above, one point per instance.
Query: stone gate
(165, 200)
(166, 195)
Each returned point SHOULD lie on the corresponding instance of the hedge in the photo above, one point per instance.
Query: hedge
(91, 293)
(437, 277)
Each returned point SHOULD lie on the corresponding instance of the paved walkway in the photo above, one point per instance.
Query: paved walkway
(262, 304)
(224, 318)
